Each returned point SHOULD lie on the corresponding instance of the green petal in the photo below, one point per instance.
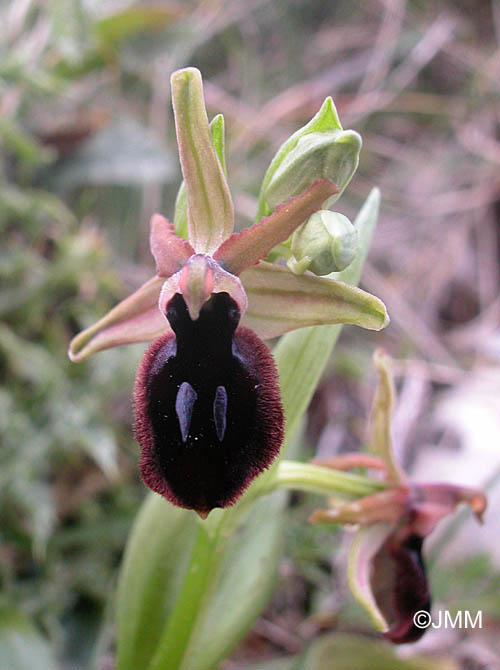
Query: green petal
(209, 204)
(248, 247)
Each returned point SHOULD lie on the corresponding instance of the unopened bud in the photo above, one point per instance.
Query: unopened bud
(326, 242)
(332, 154)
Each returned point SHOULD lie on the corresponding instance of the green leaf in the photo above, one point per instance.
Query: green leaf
(124, 24)
(156, 560)
(343, 651)
(239, 578)
(218, 137)
(26, 360)
(21, 645)
(29, 151)
(189, 590)
(32, 204)
(36, 79)
(70, 33)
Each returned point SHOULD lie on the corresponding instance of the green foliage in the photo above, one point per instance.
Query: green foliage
(21, 643)
(351, 652)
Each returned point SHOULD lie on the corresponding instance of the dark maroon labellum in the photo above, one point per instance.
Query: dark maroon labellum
(208, 409)
(410, 589)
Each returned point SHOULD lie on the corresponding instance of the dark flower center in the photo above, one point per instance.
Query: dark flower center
(208, 411)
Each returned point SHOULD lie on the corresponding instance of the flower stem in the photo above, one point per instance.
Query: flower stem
(325, 481)
(176, 636)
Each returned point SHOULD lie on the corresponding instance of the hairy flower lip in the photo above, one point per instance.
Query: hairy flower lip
(205, 453)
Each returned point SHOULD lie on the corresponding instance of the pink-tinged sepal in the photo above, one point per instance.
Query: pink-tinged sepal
(249, 246)
(280, 301)
(388, 505)
(135, 319)
(208, 411)
(169, 250)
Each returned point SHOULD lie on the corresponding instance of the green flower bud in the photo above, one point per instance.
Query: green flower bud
(331, 155)
(322, 149)
(326, 242)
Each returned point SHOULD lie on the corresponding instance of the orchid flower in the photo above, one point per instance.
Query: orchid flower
(386, 570)
(207, 401)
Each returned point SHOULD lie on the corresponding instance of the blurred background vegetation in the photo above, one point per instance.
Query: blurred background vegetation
(88, 154)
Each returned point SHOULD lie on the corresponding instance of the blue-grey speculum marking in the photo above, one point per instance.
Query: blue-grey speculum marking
(184, 402)
(220, 411)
